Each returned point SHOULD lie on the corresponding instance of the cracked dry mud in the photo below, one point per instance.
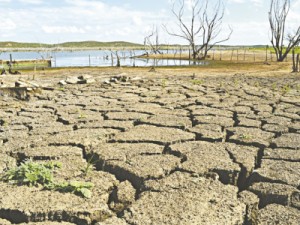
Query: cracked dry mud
(165, 149)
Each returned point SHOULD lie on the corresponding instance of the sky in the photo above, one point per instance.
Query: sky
(57, 21)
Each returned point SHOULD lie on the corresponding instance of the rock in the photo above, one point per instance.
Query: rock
(30, 83)
(87, 81)
(136, 79)
(106, 82)
(72, 80)
(85, 77)
(20, 84)
(62, 82)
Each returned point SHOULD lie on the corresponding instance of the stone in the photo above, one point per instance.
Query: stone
(85, 77)
(72, 80)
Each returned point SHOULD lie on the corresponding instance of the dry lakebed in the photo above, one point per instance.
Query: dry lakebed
(162, 147)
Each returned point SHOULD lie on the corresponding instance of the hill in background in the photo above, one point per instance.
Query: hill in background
(83, 44)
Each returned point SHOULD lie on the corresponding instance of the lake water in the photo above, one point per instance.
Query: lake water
(94, 58)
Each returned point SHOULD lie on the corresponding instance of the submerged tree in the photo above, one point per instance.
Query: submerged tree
(152, 41)
(200, 24)
(278, 13)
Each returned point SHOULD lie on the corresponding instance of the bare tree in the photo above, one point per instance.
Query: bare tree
(201, 27)
(152, 40)
(278, 13)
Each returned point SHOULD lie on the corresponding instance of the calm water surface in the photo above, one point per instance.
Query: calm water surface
(93, 58)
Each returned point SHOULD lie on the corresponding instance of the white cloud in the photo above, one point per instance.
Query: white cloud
(8, 25)
(258, 3)
(236, 1)
(36, 2)
(63, 29)
(255, 2)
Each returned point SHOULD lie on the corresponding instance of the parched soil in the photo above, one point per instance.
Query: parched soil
(165, 147)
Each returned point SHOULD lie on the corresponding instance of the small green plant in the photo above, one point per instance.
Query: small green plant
(31, 173)
(274, 86)
(75, 187)
(285, 89)
(163, 83)
(61, 88)
(197, 82)
(245, 136)
(257, 84)
(34, 174)
(236, 82)
(81, 115)
(90, 165)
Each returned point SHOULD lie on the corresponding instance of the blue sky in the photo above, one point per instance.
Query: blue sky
(55, 21)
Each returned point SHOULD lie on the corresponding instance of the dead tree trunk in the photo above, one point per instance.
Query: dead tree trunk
(296, 62)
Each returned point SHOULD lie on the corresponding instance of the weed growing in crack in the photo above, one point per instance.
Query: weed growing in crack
(90, 165)
(197, 82)
(81, 115)
(75, 187)
(163, 84)
(245, 136)
(35, 174)
(274, 87)
(286, 89)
